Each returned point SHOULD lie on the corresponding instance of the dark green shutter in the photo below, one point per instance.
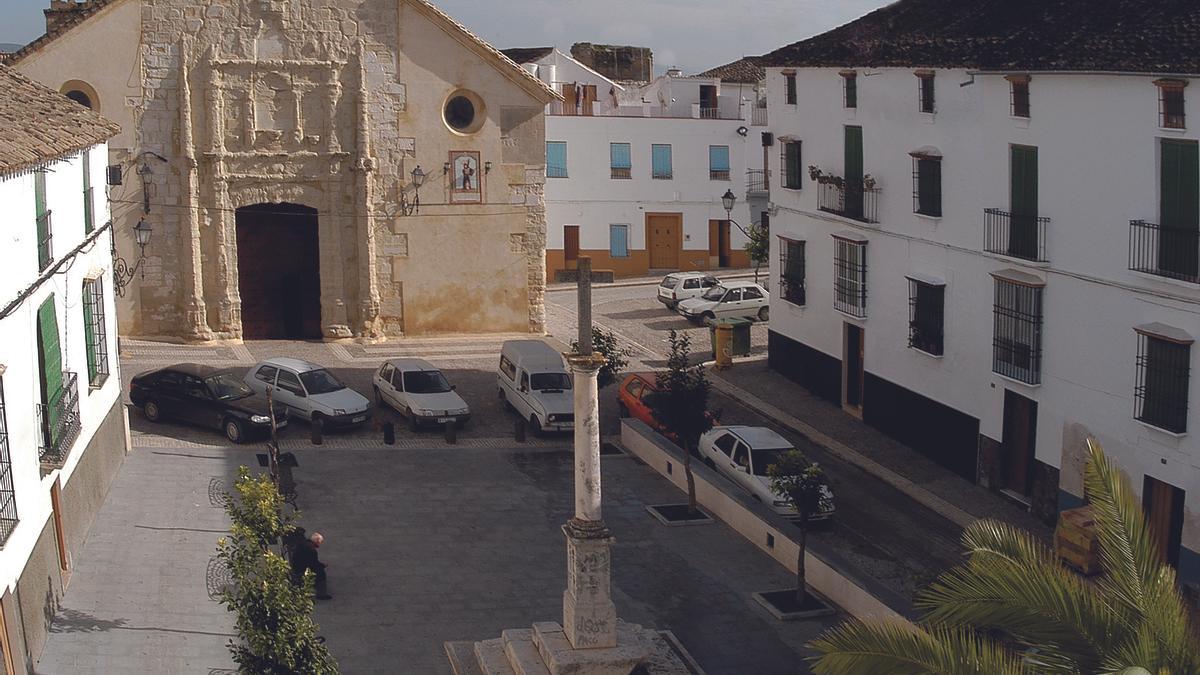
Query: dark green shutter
(50, 360)
(43, 223)
(854, 172)
(89, 330)
(1179, 214)
(929, 187)
(88, 217)
(1023, 202)
(792, 171)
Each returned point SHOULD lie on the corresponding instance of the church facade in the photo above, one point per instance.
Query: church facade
(311, 168)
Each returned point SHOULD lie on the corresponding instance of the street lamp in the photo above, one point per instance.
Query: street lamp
(418, 179)
(122, 272)
(728, 199)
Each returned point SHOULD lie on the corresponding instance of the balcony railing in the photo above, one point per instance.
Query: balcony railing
(758, 117)
(718, 174)
(621, 172)
(756, 181)
(1171, 252)
(1015, 235)
(59, 423)
(855, 202)
(707, 113)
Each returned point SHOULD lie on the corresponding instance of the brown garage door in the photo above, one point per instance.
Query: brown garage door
(279, 271)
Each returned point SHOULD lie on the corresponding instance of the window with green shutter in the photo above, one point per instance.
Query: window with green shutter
(89, 220)
(45, 253)
(1023, 202)
(50, 361)
(927, 185)
(94, 333)
(853, 163)
(792, 172)
(1179, 206)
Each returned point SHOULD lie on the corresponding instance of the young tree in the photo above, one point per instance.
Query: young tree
(803, 485)
(681, 404)
(615, 356)
(274, 616)
(758, 247)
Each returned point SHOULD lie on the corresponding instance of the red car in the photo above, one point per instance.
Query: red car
(633, 400)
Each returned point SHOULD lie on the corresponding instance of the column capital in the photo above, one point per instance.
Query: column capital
(585, 363)
(596, 530)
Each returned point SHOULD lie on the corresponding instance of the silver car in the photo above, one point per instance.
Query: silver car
(732, 299)
(419, 391)
(310, 392)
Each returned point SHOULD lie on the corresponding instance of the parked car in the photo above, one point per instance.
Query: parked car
(678, 286)
(742, 454)
(420, 392)
(533, 380)
(731, 299)
(634, 400)
(310, 392)
(205, 396)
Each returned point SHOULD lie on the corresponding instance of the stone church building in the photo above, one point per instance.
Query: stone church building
(310, 168)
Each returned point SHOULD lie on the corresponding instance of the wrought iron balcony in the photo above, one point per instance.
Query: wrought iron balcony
(1015, 235)
(59, 424)
(757, 181)
(1171, 252)
(849, 201)
(758, 117)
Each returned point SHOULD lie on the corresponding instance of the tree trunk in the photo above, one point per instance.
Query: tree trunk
(801, 587)
(757, 265)
(691, 480)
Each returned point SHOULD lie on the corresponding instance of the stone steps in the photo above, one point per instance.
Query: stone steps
(491, 657)
(522, 653)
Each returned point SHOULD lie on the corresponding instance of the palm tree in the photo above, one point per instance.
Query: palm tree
(1013, 608)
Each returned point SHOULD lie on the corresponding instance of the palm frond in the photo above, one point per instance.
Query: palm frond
(897, 648)
(1002, 540)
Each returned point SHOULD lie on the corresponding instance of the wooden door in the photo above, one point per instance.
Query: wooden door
(1023, 202)
(853, 163)
(589, 98)
(1020, 435)
(1163, 504)
(6, 642)
(571, 245)
(853, 369)
(663, 239)
(724, 247)
(570, 101)
(1179, 207)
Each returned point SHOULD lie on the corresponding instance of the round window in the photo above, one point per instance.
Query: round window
(463, 112)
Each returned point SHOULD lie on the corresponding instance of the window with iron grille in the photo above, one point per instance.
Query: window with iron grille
(927, 185)
(620, 161)
(1017, 332)
(850, 89)
(791, 163)
(556, 159)
(718, 162)
(925, 91)
(1161, 394)
(1170, 103)
(791, 271)
(926, 316)
(850, 280)
(789, 88)
(8, 497)
(1019, 95)
(94, 332)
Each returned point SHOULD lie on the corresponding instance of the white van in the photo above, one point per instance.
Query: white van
(533, 380)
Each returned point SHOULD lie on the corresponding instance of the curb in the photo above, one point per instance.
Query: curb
(645, 281)
(841, 450)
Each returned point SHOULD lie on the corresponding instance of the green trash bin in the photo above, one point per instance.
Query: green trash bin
(741, 335)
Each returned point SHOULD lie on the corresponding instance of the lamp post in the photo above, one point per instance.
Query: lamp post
(122, 272)
(418, 179)
(728, 200)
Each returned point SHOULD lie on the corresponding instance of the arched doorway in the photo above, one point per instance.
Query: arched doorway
(279, 275)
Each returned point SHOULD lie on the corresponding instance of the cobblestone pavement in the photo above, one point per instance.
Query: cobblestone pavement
(423, 546)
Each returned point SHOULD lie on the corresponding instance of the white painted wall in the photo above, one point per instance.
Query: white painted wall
(1098, 165)
(18, 333)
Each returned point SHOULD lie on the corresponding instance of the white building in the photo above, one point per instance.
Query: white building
(636, 171)
(998, 258)
(62, 426)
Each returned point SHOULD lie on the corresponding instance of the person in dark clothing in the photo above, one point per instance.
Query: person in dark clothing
(304, 558)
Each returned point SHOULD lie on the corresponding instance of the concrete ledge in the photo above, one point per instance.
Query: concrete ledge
(761, 598)
(828, 573)
(656, 511)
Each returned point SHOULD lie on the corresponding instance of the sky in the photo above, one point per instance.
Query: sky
(692, 34)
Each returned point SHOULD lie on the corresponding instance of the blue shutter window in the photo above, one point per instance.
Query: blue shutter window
(620, 160)
(718, 162)
(618, 241)
(556, 159)
(660, 156)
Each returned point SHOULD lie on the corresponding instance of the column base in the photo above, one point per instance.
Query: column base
(630, 650)
(589, 615)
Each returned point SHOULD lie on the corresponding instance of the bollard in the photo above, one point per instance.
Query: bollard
(451, 432)
(519, 430)
(389, 433)
(315, 429)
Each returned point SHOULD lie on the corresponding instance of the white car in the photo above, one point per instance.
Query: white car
(679, 286)
(742, 454)
(731, 299)
(310, 392)
(533, 380)
(420, 392)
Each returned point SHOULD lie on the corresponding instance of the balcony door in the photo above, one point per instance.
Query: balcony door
(50, 369)
(853, 163)
(1163, 504)
(1023, 202)
(1179, 208)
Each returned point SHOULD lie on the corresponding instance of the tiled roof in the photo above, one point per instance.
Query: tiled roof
(527, 54)
(79, 15)
(38, 125)
(1145, 36)
(745, 70)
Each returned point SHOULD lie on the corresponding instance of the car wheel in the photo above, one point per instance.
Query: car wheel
(707, 318)
(535, 427)
(233, 430)
(672, 305)
(151, 411)
(622, 409)
(764, 314)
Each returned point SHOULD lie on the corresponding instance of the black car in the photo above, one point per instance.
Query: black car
(204, 395)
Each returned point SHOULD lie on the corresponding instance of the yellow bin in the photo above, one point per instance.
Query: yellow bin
(723, 345)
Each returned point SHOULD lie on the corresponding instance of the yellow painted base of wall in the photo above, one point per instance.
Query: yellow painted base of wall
(637, 264)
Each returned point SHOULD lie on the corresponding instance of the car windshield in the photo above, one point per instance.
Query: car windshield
(715, 293)
(669, 282)
(320, 382)
(765, 457)
(549, 381)
(425, 382)
(227, 387)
